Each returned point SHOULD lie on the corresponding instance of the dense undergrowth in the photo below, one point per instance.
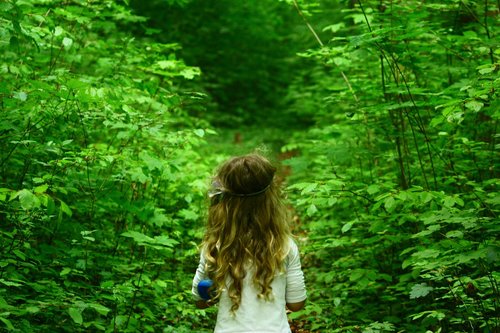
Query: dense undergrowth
(385, 126)
(399, 180)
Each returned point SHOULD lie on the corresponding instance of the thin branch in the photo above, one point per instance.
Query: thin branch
(322, 45)
(487, 29)
(418, 119)
(307, 23)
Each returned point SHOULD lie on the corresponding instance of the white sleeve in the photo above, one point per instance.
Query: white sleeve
(295, 285)
(200, 275)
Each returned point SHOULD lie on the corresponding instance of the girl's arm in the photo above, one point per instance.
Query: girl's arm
(296, 306)
(295, 287)
(200, 275)
(202, 304)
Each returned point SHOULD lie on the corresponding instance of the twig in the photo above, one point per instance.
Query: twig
(418, 119)
(322, 45)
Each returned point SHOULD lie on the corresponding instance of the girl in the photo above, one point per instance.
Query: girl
(248, 252)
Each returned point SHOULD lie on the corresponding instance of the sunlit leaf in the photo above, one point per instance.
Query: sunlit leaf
(420, 290)
(27, 199)
(76, 315)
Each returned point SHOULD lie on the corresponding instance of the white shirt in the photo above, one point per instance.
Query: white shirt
(254, 314)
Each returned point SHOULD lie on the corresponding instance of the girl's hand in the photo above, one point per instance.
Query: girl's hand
(202, 304)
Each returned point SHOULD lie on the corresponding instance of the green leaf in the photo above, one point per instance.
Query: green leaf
(372, 189)
(41, 188)
(420, 290)
(159, 242)
(309, 188)
(4, 305)
(165, 241)
(27, 199)
(427, 253)
(67, 42)
(449, 201)
(65, 209)
(390, 204)
(356, 274)
(432, 314)
(188, 214)
(120, 320)
(76, 315)
(32, 309)
(346, 227)
(77, 85)
(311, 210)
(331, 201)
(430, 229)
(190, 72)
(7, 323)
(152, 162)
(21, 95)
(49, 203)
(334, 27)
(487, 69)
(58, 31)
(474, 105)
(455, 234)
(101, 309)
(166, 64)
(199, 132)
(19, 254)
(426, 197)
(10, 283)
(161, 283)
(3, 193)
(137, 174)
(138, 237)
(38, 180)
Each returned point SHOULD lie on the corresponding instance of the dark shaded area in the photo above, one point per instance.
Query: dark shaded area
(245, 52)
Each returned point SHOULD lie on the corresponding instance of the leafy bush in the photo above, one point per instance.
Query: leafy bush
(398, 180)
(100, 188)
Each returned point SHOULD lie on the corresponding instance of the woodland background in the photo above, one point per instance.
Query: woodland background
(382, 114)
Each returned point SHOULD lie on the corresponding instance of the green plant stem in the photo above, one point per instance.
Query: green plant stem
(419, 121)
(404, 182)
(494, 287)
(492, 151)
(87, 161)
(459, 299)
(492, 59)
(344, 77)
(26, 132)
(136, 290)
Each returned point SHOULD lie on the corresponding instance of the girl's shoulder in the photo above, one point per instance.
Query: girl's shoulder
(292, 244)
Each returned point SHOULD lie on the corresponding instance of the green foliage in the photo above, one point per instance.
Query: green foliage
(106, 147)
(101, 189)
(398, 180)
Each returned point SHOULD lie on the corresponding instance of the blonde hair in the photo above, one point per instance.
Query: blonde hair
(247, 225)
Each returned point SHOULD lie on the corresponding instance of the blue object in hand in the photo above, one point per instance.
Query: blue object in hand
(204, 289)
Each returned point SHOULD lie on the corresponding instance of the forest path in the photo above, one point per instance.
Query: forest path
(246, 139)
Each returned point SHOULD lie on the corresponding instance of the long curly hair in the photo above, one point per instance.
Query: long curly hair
(247, 227)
